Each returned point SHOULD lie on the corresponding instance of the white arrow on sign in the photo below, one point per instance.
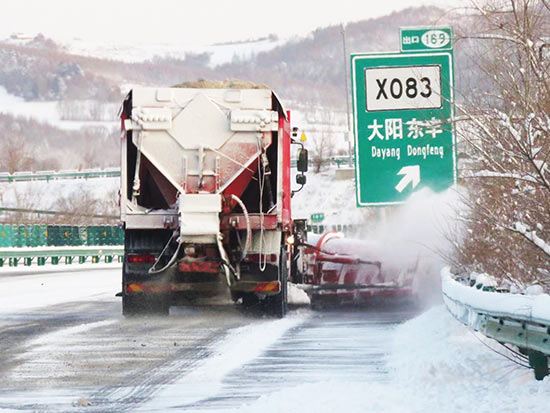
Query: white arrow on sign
(411, 174)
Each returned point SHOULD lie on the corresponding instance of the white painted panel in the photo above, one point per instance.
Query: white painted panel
(408, 87)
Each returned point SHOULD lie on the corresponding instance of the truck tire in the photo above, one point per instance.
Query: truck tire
(131, 306)
(277, 305)
(250, 300)
(316, 304)
(145, 303)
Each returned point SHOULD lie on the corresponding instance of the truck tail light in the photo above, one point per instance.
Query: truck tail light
(141, 258)
(210, 267)
(268, 287)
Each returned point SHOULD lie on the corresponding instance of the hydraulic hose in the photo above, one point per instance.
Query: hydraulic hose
(152, 270)
(248, 228)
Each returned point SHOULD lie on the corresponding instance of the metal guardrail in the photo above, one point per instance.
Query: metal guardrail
(59, 235)
(49, 212)
(347, 229)
(506, 318)
(53, 175)
(41, 255)
(334, 160)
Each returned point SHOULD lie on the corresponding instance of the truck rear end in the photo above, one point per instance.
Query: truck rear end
(205, 197)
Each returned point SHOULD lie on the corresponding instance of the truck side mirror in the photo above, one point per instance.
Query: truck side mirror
(301, 179)
(301, 165)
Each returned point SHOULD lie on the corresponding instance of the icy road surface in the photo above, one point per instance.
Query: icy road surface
(64, 347)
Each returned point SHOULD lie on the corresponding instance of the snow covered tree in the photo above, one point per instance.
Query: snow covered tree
(507, 140)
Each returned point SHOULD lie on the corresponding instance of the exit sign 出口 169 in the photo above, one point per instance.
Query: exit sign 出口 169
(421, 39)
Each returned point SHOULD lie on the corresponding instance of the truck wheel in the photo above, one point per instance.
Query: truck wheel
(145, 242)
(277, 305)
(130, 306)
(316, 304)
(157, 304)
(143, 303)
(250, 300)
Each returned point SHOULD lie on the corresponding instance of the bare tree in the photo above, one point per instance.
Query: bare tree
(321, 141)
(507, 137)
(323, 149)
(82, 205)
(16, 156)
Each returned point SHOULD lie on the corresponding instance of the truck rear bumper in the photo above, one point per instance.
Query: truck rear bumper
(156, 287)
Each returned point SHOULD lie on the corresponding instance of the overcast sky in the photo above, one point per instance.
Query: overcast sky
(185, 22)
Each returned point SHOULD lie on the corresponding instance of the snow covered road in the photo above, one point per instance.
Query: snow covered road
(64, 347)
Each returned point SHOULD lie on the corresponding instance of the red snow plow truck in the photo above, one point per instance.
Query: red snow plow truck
(205, 197)
(206, 204)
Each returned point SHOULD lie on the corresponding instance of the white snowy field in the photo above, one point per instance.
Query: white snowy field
(322, 193)
(130, 53)
(45, 111)
(45, 195)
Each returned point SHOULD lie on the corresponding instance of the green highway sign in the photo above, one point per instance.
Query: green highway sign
(318, 217)
(404, 140)
(414, 39)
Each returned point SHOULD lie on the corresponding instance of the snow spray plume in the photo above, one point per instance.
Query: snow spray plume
(413, 239)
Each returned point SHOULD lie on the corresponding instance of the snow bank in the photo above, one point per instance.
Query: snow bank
(532, 307)
(448, 367)
(297, 296)
(436, 365)
(25, 289)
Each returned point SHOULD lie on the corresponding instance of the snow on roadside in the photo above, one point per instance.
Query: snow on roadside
(240, 346)
(436, 365)
(446, 363)
(35, 287)
(51, 340)
(536, 307)
(297, 296)
(40, 350)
